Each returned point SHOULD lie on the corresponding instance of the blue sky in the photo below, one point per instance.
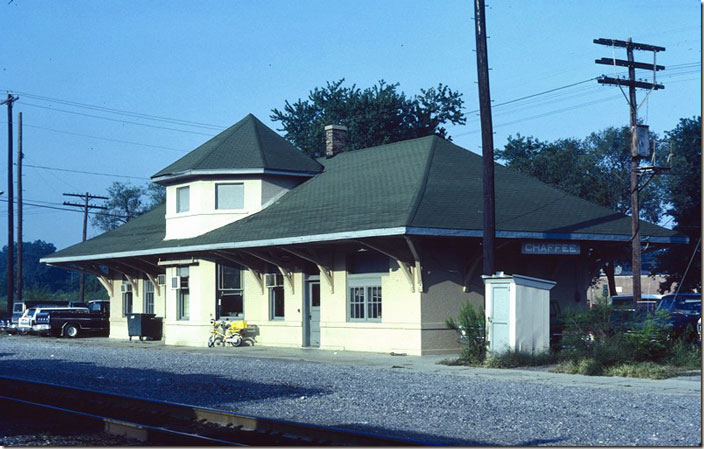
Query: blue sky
(214, 62)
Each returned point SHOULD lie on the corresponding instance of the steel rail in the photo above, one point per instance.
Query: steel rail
(153, 420)
(92, 422)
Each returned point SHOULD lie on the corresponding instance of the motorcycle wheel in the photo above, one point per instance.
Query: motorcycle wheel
(235, 340)
(213, 341)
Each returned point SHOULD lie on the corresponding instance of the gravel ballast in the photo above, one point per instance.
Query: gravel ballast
(438, 406)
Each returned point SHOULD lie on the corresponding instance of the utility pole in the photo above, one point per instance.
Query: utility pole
(637, 152)
(489, 228)
(85, 206)
(19, 207)
(10, 211)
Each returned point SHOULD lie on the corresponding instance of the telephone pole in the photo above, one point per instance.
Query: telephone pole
(489, 225)
(638, 150)
(10, 211)
(85, 206)
(19, 207)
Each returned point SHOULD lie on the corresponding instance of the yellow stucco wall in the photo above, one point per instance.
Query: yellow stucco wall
(118, 322)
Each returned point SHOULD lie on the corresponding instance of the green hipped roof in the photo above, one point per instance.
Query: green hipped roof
(248, 144)
(423, 186)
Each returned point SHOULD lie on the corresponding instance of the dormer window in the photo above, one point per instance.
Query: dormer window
(183, 195)
(229, 196)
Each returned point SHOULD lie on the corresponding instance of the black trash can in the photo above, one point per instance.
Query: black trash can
(144, 325)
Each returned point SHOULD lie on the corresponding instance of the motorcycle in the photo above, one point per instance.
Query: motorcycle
(227, 332)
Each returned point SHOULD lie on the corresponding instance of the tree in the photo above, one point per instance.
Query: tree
(683, 196)
(373, 116)
(35, 275)
(126, 202)
(596, 169)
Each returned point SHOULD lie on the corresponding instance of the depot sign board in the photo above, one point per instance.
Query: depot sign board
(542, 248)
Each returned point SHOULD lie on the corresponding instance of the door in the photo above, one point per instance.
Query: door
(499, 319)
(313, 324)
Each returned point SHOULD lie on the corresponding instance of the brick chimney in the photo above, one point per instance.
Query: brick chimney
(335, 139)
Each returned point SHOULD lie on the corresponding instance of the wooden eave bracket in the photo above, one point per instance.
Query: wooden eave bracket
(324, 264)
(285, 271)
(154, 283)
(133, 282)
(105, 281)
(417, 268)
(252, 268)
(410, 269)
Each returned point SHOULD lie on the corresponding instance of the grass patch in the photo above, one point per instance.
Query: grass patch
(646, 370)
(515, 359)
(584, 366)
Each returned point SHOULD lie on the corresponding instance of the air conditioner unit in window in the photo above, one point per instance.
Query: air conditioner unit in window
(161, 279)
(272, 280)
(126, 288)
(175, 282)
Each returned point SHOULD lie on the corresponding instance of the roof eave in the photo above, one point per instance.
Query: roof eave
(369, 233)
(168, 178)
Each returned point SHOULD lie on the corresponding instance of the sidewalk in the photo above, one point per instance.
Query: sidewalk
(688, 385)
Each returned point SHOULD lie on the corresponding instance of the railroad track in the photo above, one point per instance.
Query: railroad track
(167, 423)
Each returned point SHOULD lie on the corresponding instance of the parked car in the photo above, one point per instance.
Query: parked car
(647, 302)
(18, 309)
(684, 309)
(71, 323)
(28, 318)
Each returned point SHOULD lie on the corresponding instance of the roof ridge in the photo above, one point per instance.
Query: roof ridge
(375, 147)
(231, 130)
(259, 141)
(421, 192)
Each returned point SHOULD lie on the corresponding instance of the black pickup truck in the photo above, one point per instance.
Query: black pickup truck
(72, 323)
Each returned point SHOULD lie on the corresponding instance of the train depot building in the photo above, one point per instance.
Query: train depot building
(367, 250)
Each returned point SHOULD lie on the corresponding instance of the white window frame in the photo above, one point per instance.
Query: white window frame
(368, 289)
(179, 206)
(221, 290)
(148, 296)
(183, 298)
(272, 299)
(127, 298)
(217, 195)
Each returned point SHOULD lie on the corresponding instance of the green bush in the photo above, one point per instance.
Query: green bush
(470, 325)
(684, 355)
(649, 342)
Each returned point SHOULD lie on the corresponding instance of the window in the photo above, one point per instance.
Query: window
(183, 197)
(229, 196)
(183, 309)
(148, 296)
(364, 299)
(230, 292)
(126, 298)
(276, 299)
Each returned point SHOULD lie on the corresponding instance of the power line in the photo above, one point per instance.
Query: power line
(537, 94)
(84, 172)
(26, 203)
(116, 120)
(103, 138)
(122, 112)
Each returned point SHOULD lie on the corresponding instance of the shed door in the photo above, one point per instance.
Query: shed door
(499, 325)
